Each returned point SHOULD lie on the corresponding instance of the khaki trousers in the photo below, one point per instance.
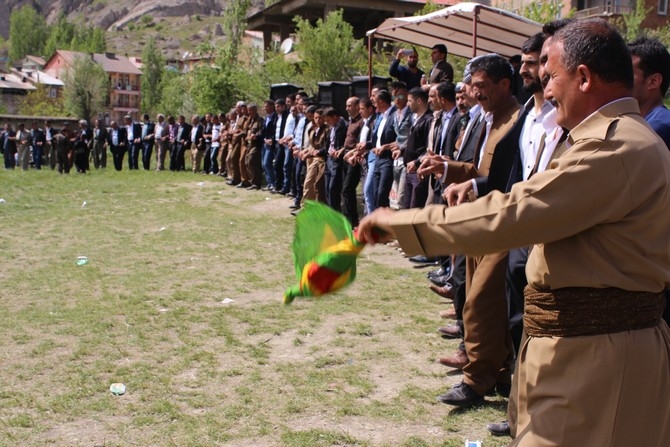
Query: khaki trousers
(315, 181)
(244, 174)
(24, 156)
(233, 162)
(488, 342)
(161, 151)
(253, 165)
(607, 390)
(222, 157)
(196, 159)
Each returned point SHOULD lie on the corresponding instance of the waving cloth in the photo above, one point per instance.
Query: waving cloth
(325, 249)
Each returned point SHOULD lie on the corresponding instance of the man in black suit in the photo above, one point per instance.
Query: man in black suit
(64, 145)
(197, 143)
(81, 146)
(99, 148)
(279, 155)
(442, 70)
(416, 188)
(268, 148)
(351, 168)
(182, 142)
(39, 141)
(9, 146)
(381, 141)
(117, 138)
(147, 141)
(134, 131)
(338, 132)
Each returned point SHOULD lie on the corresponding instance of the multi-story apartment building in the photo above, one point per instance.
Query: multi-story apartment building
(124, 80)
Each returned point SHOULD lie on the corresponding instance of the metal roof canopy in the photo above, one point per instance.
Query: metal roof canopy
(467, 29)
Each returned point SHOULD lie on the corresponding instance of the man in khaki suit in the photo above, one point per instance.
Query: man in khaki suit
(588, 372)
(488, 343)
(237, 137)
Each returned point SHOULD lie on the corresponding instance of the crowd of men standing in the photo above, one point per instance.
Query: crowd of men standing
(428, 140)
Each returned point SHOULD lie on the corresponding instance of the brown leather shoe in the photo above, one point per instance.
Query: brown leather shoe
(458, 360)
(448, 314)
(444, 291)
(451, 331)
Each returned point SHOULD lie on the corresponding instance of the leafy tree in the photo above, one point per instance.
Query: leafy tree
(86, 87)
(61, 34)
(64, 35)
(175, 96)
(211, 88)
(234, 23)
(152, 73)
(89, 40)
(328, 50)
(629, 24)
(27, 33)
(542, 12)
(662, 34)
(39, 103)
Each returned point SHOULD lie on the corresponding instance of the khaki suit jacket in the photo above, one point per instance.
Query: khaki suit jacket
(597, 216)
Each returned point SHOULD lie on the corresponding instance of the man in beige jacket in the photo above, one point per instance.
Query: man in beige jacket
(588, 373)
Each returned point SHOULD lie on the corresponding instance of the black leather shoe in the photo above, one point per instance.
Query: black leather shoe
(499, 428)
(232, 183)
(243, 185)
(440, 281)
(421, 260)
(461, 395)
(442, 271)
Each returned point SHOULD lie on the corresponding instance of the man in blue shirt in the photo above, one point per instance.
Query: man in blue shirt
(410, 74)
(651, 71)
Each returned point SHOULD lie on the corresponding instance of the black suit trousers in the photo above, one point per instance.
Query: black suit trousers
(334, 183)
(352, 176)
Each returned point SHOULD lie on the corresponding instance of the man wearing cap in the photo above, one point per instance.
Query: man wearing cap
(488, 344)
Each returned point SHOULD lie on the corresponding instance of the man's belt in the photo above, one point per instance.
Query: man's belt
(578, 311)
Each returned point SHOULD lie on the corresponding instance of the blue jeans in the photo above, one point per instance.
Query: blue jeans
(268, 168)
(369, 187)
(213, 163)
(37, 156)
(288, 169)
(383, 179)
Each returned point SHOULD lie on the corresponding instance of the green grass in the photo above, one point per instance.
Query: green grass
(357, 368)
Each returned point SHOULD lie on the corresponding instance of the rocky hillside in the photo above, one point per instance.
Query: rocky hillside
(116, 15)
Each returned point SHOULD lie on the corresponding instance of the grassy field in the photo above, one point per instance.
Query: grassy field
(149, 309)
